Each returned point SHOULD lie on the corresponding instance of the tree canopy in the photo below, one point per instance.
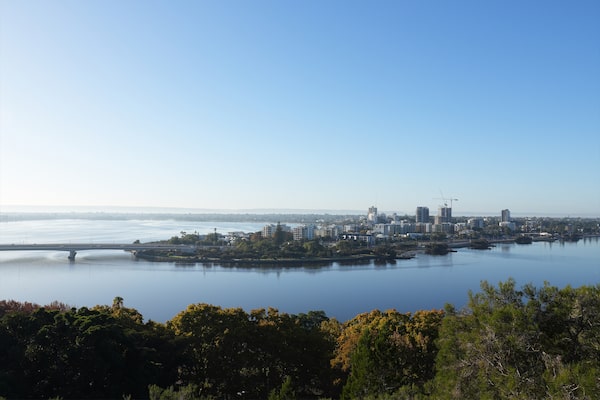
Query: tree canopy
(508, 342)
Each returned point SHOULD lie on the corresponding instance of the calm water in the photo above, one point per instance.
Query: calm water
(161, 290)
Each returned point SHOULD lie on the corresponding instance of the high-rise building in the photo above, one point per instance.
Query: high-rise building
(444, 215)
(422, 215)
(506, 215)
(372, 215)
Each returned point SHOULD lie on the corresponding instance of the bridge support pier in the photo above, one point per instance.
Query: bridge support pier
(72, 254)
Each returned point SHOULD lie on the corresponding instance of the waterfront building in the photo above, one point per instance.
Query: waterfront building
(298, 232)
(475, 223)
(304, 232)
(422, 215)
(269, 230)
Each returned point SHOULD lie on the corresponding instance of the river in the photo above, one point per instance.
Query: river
(160, 290)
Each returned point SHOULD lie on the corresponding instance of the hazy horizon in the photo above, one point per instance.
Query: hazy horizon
(177, 210)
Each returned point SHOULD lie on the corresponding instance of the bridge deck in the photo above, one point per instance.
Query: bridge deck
(94, 246)
(73, 248)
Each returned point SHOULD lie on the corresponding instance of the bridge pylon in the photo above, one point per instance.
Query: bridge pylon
(72, 254)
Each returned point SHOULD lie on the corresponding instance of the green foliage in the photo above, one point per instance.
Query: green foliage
(286, 392)
(437, 249)
(279, 235)
(350, 247)
(522, 344)
(385, 251)
(188, 392)
(80, 354)
(227, 351)
(527, 343)
(189, 239)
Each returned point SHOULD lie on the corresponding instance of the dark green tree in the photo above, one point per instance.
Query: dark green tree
(279, 235)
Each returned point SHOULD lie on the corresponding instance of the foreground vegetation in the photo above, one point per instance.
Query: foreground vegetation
(508, 343)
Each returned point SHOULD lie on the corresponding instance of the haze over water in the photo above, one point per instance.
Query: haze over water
(160, 290)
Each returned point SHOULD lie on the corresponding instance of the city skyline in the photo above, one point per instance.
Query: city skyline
(311, 106)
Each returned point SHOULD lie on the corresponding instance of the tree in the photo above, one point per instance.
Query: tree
(521, 344)
(228, 351)
(385, 351)
(385, 251)
(117, 303)
(286, 392)
(279, 235)
(81, 353)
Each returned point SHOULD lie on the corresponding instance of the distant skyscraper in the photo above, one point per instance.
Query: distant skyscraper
(372, 215)
(422, 214)
(506, 215)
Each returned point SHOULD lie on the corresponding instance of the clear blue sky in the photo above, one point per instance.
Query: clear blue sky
(335, 105)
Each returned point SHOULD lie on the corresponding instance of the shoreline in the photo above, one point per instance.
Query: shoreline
(271, 261)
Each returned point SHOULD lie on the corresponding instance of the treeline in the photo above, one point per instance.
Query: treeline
(281, 246)
(508, 343)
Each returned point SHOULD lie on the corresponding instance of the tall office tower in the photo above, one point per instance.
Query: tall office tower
(506, 215)
(422, 215)
(444, 215)
(372, 215)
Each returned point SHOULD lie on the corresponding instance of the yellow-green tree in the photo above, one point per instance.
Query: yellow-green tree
(383, 352)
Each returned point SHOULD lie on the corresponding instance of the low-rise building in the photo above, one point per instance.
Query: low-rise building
(506, 224)
(369, 239)
(445, 227)
(475, 223)
(422, 227)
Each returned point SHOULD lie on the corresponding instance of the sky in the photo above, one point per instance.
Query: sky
(302, 105)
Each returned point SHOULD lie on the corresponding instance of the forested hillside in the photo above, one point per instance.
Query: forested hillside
(508, 343)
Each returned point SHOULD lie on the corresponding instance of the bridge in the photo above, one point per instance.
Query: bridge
(73, 248)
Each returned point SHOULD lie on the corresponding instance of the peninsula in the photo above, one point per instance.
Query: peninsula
(376, 237)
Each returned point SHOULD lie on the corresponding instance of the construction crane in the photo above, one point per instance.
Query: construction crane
(446, 200)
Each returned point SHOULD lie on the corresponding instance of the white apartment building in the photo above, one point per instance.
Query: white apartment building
(304, 232)
(269, 230)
